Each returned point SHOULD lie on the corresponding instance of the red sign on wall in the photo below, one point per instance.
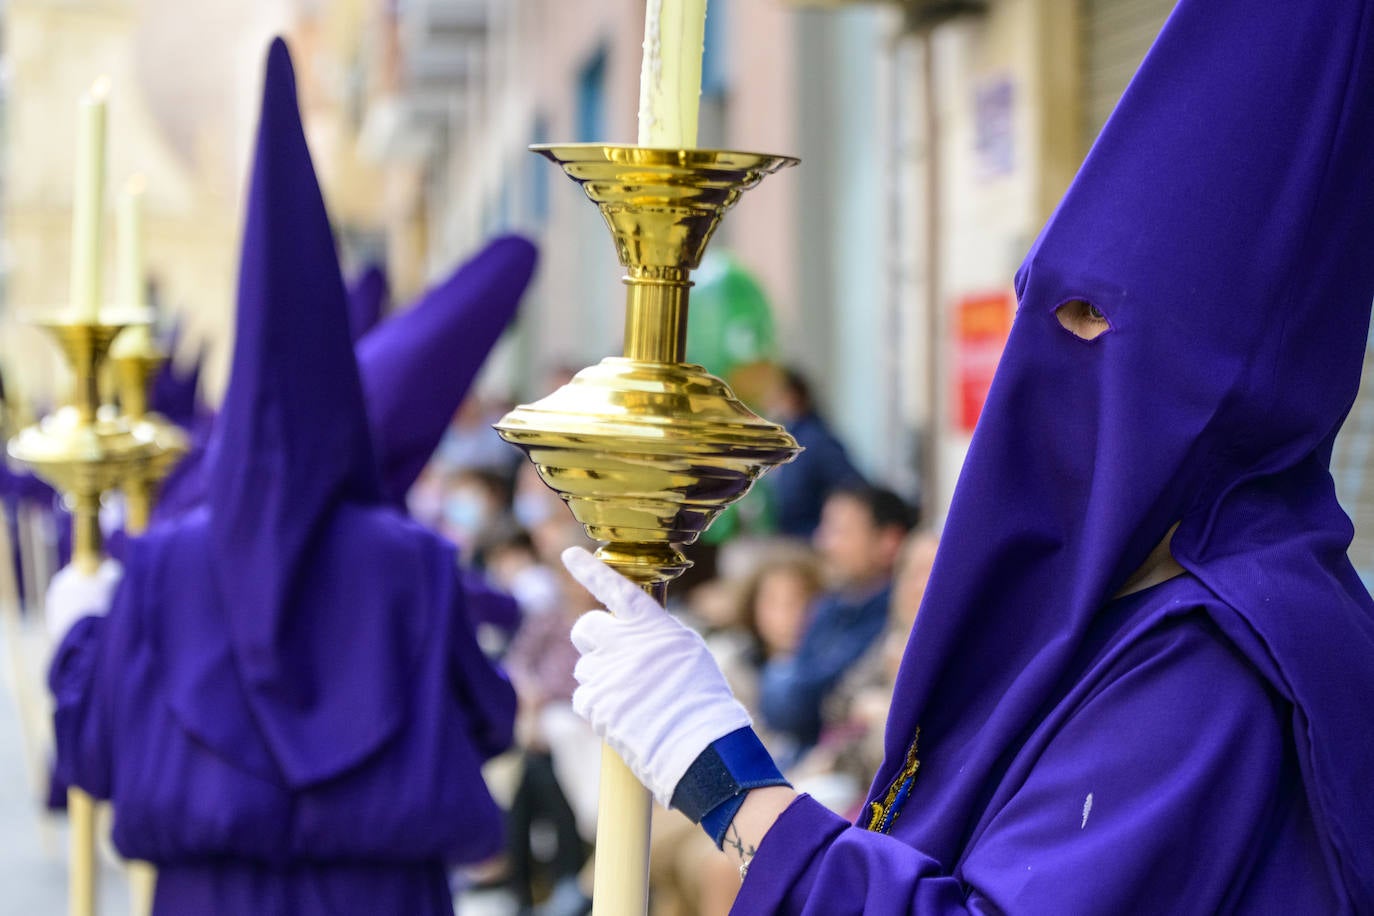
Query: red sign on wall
(982, 322)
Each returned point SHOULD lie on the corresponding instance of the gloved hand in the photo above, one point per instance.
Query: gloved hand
(73, 594)
(647, 684)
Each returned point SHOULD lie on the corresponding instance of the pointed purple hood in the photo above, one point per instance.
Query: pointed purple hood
(291, 448)
(368, 296)
(1223, 224)
(418, 366)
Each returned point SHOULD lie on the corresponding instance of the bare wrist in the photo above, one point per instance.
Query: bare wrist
(761, 809)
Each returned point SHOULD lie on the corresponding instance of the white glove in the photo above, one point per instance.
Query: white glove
(647, 684)
(73, 594)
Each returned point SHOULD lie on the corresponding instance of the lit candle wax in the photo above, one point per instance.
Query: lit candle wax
(130, 285)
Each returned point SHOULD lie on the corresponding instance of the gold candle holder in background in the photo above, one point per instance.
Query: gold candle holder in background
(82, 453)
(135, 360)
(646, 449)
(79, 449)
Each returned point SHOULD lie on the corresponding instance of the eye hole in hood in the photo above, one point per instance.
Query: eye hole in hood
(1082, 319)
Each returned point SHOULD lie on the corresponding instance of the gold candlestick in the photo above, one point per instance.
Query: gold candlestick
(647, 449)
(82, 453)
(77, 449)
(135, 361)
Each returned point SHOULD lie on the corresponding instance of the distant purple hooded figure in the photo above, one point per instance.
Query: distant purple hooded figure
(1202, 745)
(417, 367)
(16, 490)
(177, 397)
(175, 394)
(20, 489)
(368, 298)
(286, 703)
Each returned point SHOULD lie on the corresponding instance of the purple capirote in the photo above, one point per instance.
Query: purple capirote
(417, 367)
(1204, 745)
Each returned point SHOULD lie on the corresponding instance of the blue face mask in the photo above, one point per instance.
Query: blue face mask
(465, 511)
(531, 510)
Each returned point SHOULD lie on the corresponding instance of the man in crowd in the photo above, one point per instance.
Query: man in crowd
(800, 487)
(859, 539)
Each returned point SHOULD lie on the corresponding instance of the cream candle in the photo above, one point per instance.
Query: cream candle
(88, 196)
(130, 284)
(670, 79)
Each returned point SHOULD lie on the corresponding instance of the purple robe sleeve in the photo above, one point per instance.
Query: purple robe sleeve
(81, 729)
(484, 690)
(488, 604)
(1147, 795)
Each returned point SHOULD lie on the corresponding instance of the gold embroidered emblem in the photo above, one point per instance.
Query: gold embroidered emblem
(881, 814)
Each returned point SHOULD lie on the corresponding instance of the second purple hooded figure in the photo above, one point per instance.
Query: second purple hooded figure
(286, 703)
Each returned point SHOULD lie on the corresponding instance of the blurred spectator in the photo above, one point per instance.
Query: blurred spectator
(759, 615)
(425, 500)
(775, 610)
(545, 842)
(542, 513)
(838, 770)
(801, 487)
(471, 443)
(776, 602)
(475, 507)
(513, 563)
(860, 536)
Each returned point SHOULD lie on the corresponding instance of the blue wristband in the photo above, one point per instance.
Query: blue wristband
(712, 790)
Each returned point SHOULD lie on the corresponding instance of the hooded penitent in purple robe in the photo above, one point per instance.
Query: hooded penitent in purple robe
(18, 489)
(368, 295)
(13, 489)
(1203, 745)
(416, 369)
(175, 394)
(286, 703)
